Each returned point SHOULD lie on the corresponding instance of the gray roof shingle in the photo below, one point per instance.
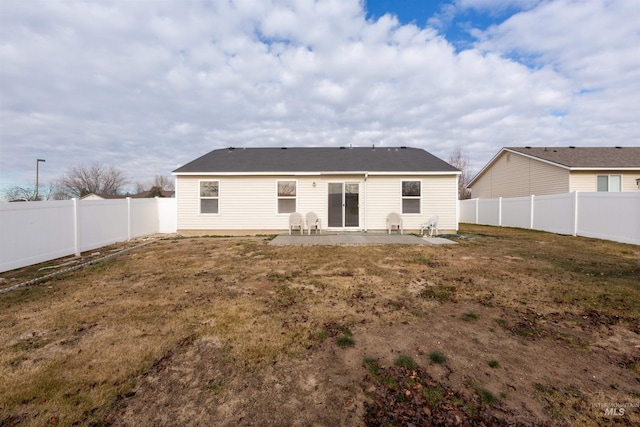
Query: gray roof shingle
(586, 157)
(343, 159)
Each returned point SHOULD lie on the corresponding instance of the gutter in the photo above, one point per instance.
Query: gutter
(366, 175)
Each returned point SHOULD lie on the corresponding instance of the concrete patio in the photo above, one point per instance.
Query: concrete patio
(335, 239)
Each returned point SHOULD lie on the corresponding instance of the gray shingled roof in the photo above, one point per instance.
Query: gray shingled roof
(252, 160)
(586, 157)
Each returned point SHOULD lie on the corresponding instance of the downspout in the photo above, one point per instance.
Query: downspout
(366, 175)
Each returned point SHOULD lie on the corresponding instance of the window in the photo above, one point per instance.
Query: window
(286, 197)
(411, 197)
(209, 195)
(609, 182)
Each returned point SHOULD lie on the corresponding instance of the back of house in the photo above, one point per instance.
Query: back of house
(254, 190)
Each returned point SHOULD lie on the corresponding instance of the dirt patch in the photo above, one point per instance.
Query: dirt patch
(205, 331)
(332, 385)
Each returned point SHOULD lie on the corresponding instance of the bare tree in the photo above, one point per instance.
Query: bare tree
(28, 193)
(461, 161)
(161, 182)
(96, 178)
(164, 182)
(20, 193)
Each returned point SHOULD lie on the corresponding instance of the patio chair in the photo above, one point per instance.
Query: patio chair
(313, 223)
(295, 221)
(394, 221)
(430, 227)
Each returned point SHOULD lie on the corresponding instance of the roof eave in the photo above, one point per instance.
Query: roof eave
(607, 168)
(396, 173)
(493, 160)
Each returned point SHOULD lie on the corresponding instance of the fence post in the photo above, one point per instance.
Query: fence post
(477, 200)
(499, 211)
(575, 213)
(158, 211)
(76, 226)
(531, 212)
(128, 218)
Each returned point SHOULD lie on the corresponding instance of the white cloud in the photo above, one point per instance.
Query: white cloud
(499, 5)
(148, 85)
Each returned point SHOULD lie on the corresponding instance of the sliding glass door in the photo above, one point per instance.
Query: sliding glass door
(344, 205)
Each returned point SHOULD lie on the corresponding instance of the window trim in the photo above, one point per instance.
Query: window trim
(294, 198)
(608, 176)
(403, 197)
(200, 197)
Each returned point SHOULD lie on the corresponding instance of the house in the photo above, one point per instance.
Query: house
(154, 192)
(253, 190)
(96, 196)
(524, 171)
(141, 195)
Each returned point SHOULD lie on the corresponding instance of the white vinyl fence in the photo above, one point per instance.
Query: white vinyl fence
(33, 232)
(608, 216)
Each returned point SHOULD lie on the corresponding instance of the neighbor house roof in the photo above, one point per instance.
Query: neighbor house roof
(145, 194)
(585, 157)
(576, 158)
(316, 160)
(103, 196)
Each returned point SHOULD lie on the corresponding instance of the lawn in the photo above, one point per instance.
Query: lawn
(508, 326)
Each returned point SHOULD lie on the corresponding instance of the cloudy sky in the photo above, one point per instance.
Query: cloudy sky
(147, 86)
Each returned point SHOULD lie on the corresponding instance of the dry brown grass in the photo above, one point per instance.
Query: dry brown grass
(75, 349)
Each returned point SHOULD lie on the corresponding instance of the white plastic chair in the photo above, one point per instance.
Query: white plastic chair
(295, 221)
(394, 220)
(430, 227)
(313, 223)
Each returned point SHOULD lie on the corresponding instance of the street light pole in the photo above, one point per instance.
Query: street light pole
(37, 163)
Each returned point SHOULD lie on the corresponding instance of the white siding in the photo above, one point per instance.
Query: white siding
(249, 203)
(514, 175)
(587, 180)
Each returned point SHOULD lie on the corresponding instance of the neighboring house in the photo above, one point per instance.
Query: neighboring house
(95, 196)
(151, 193)
(141, 195)
(253, 190)
(524, 171)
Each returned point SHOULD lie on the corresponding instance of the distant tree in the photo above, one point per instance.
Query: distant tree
(155, 191)
(20, 193)
(162, 182)
(28, 193)
(461, 161)
(96, 178)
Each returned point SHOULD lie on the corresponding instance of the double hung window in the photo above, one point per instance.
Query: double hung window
(286, 196)
(411, 196)
(609, 182)
(209, 197)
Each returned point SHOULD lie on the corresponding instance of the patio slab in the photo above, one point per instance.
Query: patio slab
(357, 239)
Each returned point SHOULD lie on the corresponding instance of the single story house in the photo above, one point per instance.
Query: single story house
(154, 193)
(96, 196)
(141, 195)
(254, 190)
(525, 171)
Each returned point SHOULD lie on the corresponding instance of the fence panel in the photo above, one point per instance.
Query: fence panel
(467, 209)
(167, 215)
(143, 217)
(102, 222)
(33, 232)
(554, 213)
(489, 211)
(610, 216)
(516, 212)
